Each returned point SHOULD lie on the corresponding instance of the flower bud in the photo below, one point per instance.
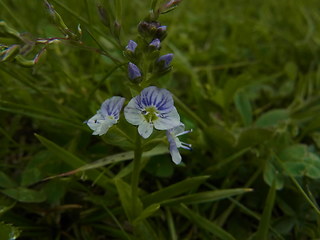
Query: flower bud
(151, 30)
(6, 31)
(134, 73)
(116, 29)
(155, 44)
(57, 19)
(103, 16)
(131, 47)
(10, 53)
(165, 60)
(161, 32)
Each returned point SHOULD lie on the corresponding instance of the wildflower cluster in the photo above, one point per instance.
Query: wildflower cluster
(145, 62)
(153, 107)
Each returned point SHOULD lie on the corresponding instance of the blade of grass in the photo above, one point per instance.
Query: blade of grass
(264, 226)
(208, 196)
(174, 190)
(75, 162)
(204, 223)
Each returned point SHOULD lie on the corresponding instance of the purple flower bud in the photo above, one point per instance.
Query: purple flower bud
(155, 43)
(162, 28)
(131, 46)
(133, 71)
(161, 32)
(165, 60)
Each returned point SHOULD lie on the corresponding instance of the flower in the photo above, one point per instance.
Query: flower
(152, 108)
(106, 116)
(155, 43)
(133, 71)
(131, 47)
(165, 60)
(175, 143)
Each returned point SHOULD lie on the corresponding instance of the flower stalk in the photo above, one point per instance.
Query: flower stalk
(135, 175)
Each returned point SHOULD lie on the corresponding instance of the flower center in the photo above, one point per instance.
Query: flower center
(150, 114)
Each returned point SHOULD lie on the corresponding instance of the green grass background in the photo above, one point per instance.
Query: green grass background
(246, 79)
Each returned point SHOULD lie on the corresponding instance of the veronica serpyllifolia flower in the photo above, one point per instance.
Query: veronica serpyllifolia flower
(131, 47)
(133, 72)
(106, 116)
(152, 108)
(165, 60)
(175, 143)
(155, 43)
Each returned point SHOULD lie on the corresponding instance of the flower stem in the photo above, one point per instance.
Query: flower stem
(135, 175)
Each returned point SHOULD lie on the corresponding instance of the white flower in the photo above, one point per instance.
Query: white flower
(175, 143)
(106, 116)
(152, 108)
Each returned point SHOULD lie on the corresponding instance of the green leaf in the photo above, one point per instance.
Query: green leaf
(208, 196)
(205, 224)
(174, 190)
(25, 195)
(6, 204)
(252, 137)
(298, 161)
(75, 162)
(272, 174)
(312, 166)
(243, 106)
(291, 70)
(160, 166)
(8, 232)
(272, 118)
(150, 210)
(6, 181)
(125, 195)
(262, 233)
(55, 190)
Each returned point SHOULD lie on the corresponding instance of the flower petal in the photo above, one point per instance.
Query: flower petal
(112, 106)
(132, 113)
(175, 155)
(99, 125)
(158, 97)
(145, 129)
(167, 121)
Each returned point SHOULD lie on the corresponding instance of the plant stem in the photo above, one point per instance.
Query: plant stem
(135, 175)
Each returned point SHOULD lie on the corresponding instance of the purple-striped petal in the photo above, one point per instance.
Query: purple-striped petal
(112, 106)
(175, 155)
(168, 121)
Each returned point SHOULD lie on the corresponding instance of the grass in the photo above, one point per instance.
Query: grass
(245, 78)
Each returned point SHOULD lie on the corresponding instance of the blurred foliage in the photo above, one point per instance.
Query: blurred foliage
(246, 78)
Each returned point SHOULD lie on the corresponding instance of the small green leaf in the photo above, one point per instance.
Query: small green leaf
(243, 106)
(312, 166)
(25, 195)
(272, 174)
(297, 161)
(272, 118)
(8, 232)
